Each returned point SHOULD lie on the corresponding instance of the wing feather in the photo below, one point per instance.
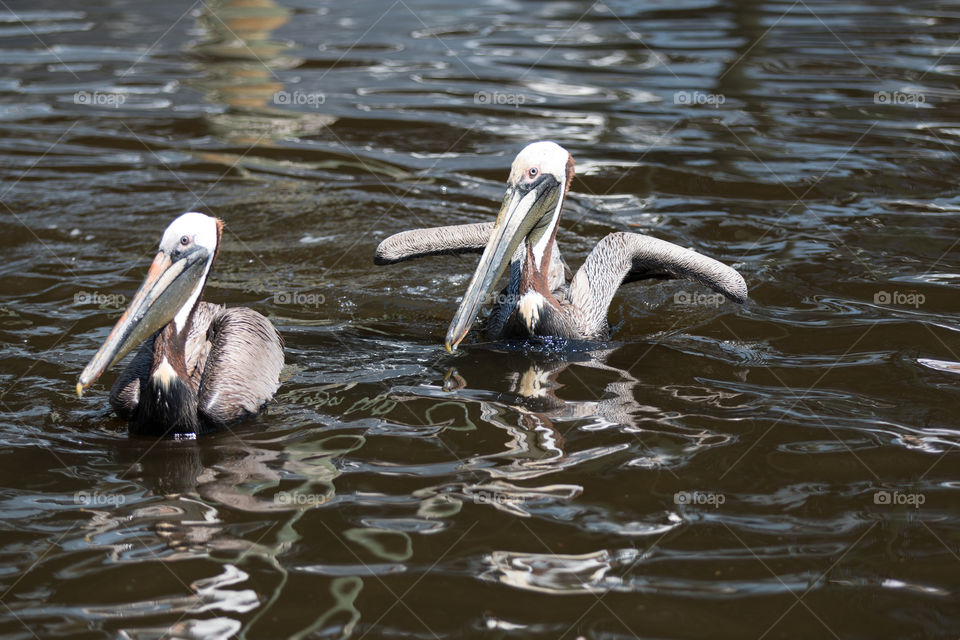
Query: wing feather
(242, 369)
(418, 243)
(626, 257)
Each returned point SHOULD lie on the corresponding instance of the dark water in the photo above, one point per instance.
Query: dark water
(785, 469)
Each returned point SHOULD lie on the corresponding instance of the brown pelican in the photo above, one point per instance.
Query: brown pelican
(201, 366)
(539, 300)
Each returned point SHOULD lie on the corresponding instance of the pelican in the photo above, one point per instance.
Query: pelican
(201, 366)
(539, 300)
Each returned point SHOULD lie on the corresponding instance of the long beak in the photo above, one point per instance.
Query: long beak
(167, 288)
(519, 214)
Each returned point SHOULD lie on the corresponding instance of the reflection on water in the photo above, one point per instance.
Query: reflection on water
(240, 67)
(785, 468)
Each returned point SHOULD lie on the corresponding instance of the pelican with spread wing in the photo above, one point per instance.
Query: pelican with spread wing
(541, 299)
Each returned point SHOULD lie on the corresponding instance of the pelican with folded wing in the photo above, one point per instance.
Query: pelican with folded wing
(201, 366)
(540, 298)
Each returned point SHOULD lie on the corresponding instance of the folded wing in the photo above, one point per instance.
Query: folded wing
(242, 371)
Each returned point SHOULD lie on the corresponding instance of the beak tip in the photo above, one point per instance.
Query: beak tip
(450, 347)
(79, 389)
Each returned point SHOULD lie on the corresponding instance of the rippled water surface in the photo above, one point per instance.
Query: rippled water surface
(782, 469)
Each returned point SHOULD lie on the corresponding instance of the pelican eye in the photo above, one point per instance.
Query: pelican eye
(532, 172)
(184, 241)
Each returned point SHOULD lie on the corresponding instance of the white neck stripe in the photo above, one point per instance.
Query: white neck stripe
(541, 247)
(180, 320)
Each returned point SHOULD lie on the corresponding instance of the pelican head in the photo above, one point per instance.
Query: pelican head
(169, 293)
(539, 179)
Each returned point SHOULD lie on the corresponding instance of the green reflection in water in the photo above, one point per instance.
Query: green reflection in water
(379, 541)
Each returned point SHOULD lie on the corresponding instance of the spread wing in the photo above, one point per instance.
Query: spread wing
(242, 369)
(418, 243)
(627, 257)
(454, 240)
